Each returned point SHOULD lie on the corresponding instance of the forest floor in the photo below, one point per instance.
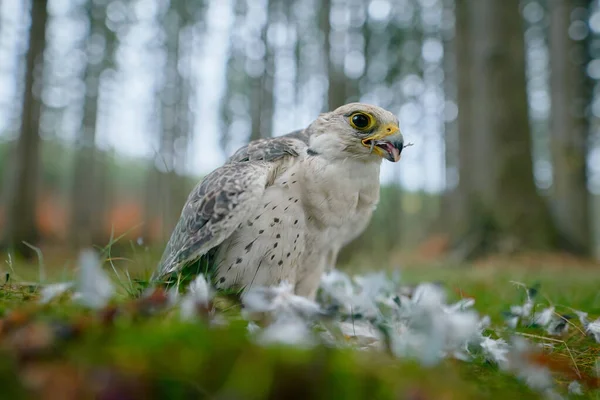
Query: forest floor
(138, 346)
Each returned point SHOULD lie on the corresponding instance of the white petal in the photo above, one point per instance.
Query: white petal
(289, 331)
(364, 332)
(252, 327)
(200, 290)
(461, 305)
(594, 329)
(496, 350)
(544, 317)
(53, 290)
(93, 284)
(461, 328)
(582, 318)
(575, 388)
(199, 295)
(277, 300)
(557, 326)
(429, 296)
(512, 322)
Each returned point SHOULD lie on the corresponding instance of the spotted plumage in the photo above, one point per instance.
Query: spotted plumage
(282, 208)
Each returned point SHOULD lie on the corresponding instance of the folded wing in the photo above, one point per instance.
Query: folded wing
(224, 199)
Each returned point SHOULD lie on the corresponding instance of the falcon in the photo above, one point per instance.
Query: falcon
(280, 209)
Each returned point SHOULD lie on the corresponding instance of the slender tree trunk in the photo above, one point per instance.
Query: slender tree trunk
(505, 212)
(165, 191)
(450, 218)
(571, 95)
(268, 78)
(357, 9)
(170, 102)
(189, 11)
(151, 203)
(87, 206)
(102, 193)
(300, 77)
(262, 99)
(21, 206)
(336, 92)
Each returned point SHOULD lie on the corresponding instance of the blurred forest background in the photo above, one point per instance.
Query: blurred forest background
(112, 110)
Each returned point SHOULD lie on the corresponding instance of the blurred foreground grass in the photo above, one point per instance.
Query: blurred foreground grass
(62, 351)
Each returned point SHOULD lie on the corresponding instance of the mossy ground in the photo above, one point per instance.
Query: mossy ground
(63, 351)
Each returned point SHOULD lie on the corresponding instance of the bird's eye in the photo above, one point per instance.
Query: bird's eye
(360, 121)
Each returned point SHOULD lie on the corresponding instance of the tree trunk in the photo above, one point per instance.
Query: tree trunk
(170, 101)
(262, 99)
(164, 186)
(336, 92)
(457, 210)
(504, 212)
(21, 205)
(571, 95)
(454, 39)
(87, 207)
(358, 11)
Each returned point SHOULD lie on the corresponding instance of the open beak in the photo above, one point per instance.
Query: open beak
(386, 142)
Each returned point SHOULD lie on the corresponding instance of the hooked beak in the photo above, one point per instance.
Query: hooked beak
(387, 142)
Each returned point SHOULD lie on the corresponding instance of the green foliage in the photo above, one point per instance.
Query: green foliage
(163, 357)
(141, 355)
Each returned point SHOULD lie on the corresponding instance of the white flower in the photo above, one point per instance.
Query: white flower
(363, 294)
(544, 317)
(94, 287)
(536, 376)
(523, 311)
(288, 330)
(575, 388)
(558, 326)
(374, 285)
(338, 286)
(252, 327)
(173, 296)
(512, 322)
(428, 329)
(484, 322)
(429, 296)
(200, 290)
(496, 350)
(54, 290)
(461, 305)
(199, 295)
(594, 329)
(582, 318)
(461, 328)
(277, 300)
(363, 332)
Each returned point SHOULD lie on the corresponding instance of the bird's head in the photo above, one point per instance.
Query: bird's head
(357, 130)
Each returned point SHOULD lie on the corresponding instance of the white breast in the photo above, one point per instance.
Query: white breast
(339, 196)
(312, 209)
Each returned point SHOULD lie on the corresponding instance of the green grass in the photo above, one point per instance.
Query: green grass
(63, 348)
